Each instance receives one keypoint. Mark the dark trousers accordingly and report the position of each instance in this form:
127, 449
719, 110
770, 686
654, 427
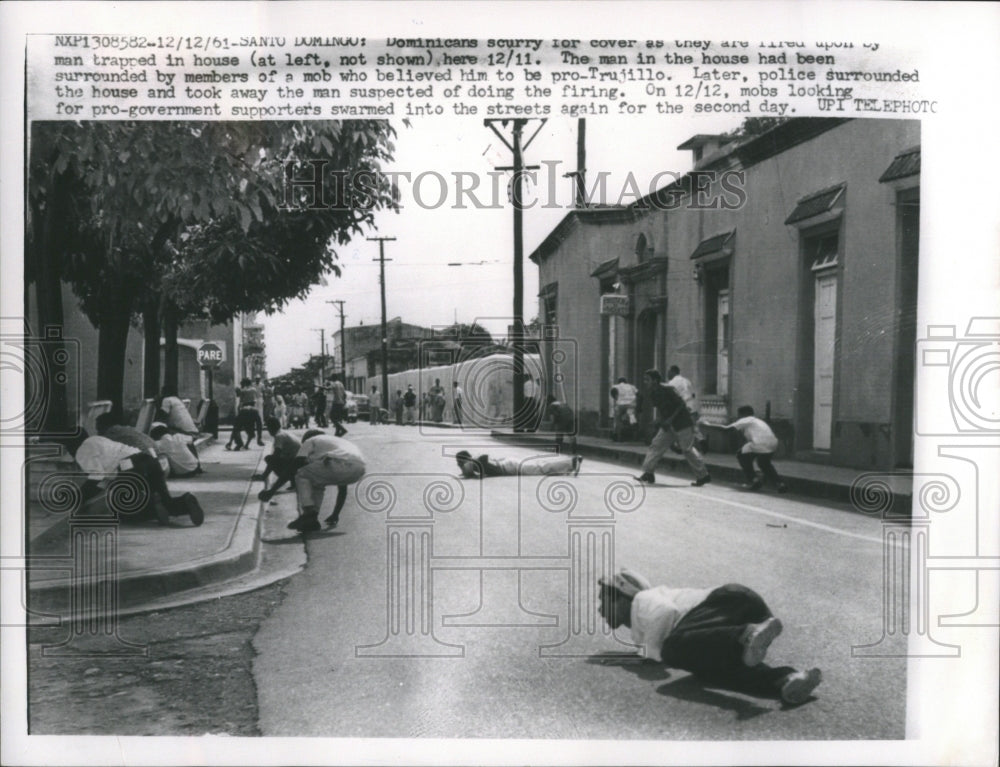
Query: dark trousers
132, 494
283, 469
246, 421
764, 461
706, 643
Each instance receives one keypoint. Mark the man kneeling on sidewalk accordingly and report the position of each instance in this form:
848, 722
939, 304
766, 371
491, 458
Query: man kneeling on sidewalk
324, 460
719, 635
105, 460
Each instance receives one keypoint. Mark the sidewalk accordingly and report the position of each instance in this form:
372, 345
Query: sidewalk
814, 480
148, 562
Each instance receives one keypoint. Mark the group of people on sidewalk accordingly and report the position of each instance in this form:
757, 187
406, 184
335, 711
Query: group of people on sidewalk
127, 470
407, 408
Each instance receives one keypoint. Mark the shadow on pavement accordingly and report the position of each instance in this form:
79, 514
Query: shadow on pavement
647, 670
299, 537
691, 689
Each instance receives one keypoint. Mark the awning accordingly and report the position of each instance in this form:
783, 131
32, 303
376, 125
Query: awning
903, 164
717, 244
817, 204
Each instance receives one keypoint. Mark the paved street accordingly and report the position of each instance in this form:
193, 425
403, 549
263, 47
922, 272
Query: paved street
458, 608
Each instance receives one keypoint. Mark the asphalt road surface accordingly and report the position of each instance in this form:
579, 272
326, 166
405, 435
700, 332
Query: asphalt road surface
466, 609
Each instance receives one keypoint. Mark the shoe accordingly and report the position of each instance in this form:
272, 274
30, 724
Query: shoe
756, 638
647, 477
197, 514
229, 447
755, 485
260, 443
782, 487
258, 478
163, 514
577, 461
702, 481
305, 524
331, 521
798, 687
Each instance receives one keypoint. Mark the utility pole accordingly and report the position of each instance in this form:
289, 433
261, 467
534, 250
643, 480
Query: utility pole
517, 148
322, 353
343, 342
385, 340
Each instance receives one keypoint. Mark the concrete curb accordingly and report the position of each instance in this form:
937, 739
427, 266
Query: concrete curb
633, 455
137, 588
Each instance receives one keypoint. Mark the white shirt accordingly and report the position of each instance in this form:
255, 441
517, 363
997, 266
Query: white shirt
177, 415
100, 456
655, 613
683, 387
180, 457
759, 437
317, 448
626, 394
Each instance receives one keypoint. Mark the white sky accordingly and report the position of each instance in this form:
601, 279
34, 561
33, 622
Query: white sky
420, 287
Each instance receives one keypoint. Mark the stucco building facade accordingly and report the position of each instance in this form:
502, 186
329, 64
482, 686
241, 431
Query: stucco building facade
781, 272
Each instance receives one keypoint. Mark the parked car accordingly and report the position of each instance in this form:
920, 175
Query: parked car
357, 407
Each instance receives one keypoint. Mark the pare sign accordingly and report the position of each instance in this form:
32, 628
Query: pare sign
211, 355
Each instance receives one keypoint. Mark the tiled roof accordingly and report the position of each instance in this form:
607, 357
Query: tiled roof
815, 204
713, 244
903, 164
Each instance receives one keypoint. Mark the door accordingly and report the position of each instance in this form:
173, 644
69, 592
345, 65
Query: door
823, 347
722, 345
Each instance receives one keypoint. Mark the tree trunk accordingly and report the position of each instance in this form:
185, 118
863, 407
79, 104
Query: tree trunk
151, 336
54, 419
170, 351
111, 344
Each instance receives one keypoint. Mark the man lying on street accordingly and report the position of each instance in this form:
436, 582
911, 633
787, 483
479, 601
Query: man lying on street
281, 461
105, 461
484, 466
323, 460
719, 635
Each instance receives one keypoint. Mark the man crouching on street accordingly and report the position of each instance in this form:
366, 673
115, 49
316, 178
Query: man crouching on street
719, 635
324, 460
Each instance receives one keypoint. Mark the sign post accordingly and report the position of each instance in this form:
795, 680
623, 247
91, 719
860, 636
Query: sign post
210, 356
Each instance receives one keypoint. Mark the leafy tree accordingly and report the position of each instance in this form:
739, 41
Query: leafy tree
194, 219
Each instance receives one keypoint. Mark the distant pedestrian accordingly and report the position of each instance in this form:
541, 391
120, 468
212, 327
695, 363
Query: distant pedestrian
457, 397
338, 406
299, 414
674, 423
374, 406
561, 419
280, 411
484, 466
259, 406
397, 407
246, 417
721, 635
179, 450
760, 446
623, 397
436, 401
267, 392
281, 462
319, 404
684, 388
324, 460
410, 405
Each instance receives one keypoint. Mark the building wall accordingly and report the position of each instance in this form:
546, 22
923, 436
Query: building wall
585, 247
770, 313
